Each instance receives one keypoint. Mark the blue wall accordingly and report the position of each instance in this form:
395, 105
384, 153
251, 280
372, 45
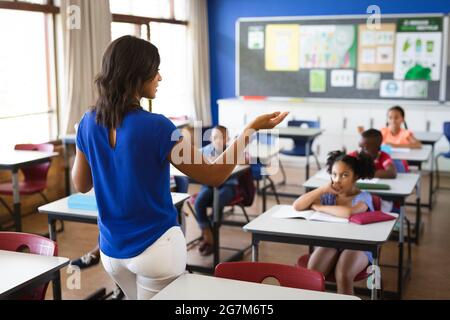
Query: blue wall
224, 13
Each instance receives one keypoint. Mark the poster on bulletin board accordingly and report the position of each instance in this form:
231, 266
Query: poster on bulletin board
418, 50
376, 48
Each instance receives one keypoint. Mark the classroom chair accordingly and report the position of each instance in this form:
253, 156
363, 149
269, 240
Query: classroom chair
287, 276
446, 155
302, 261
30, 243
35, 177
299, 148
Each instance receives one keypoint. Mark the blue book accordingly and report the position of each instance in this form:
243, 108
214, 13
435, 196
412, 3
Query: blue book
82, 202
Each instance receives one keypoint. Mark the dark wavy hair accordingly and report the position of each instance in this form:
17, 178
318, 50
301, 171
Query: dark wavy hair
362, 165
127, 64
402, 113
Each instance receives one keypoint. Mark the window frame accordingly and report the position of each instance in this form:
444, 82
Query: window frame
53, 81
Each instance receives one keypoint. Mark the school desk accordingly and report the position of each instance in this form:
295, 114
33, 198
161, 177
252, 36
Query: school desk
352, 236
400, 189
13, 160
416, 157
59, 210
430, 138
19, 270
201, 287
265, 154
306, 134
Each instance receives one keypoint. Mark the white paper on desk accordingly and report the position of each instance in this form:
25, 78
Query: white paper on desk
374, 180
312, 215
401, 150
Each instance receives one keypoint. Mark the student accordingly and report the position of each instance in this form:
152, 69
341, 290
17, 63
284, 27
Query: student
340, 197
370, 145
227, 191
394, 135
125, 152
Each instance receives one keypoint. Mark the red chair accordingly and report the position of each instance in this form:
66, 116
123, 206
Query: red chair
30, 243
302, 262
287, 276
35, 176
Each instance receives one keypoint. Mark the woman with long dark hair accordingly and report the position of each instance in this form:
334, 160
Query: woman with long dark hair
125, 152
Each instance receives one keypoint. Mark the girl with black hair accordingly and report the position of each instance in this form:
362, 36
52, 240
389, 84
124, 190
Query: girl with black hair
396, 136
341, 197
125, 153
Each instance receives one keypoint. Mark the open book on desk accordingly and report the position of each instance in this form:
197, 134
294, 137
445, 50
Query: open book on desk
290, 212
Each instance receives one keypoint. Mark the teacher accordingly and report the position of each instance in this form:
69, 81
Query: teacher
125, 152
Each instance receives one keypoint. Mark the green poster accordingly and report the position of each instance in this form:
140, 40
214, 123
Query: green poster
317, 81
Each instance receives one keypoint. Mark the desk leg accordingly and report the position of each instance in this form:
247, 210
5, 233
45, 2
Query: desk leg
400, 251
56, 282
255, 250
264, 193
308, 153
376, 275
66, 169
216, 222
16, 198
418, 225
430, 189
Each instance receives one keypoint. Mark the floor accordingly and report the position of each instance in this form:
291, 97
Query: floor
430, 278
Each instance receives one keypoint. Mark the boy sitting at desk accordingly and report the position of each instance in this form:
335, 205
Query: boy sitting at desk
204, 199
370, 145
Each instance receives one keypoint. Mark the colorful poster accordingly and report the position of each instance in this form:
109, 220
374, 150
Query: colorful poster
415, 89
418, 50
328, 46
282, 47
368, 80
317, 81
256, 37
376, 48
342, 78
391, 89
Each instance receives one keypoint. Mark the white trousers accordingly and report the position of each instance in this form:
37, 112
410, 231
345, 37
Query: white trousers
143, 276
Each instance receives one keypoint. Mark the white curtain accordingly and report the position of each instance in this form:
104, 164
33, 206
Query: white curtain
86, 28
198, 53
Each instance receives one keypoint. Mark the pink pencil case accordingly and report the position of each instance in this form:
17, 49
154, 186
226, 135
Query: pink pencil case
370, 217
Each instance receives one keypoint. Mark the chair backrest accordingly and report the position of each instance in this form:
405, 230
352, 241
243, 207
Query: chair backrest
447, 130
30, 243
376, 201
247, 188
300, 143
39, 171
287, 276
401, 166
304, 123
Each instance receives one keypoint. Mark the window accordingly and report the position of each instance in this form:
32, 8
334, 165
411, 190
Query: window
27, 81
173, 97
163, 23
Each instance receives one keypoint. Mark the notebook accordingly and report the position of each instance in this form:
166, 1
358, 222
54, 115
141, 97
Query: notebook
311, 215
371, 217
82, 202
372, 186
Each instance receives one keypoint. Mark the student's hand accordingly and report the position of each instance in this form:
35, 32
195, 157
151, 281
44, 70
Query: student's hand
267, 121
316, 207
360, 129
